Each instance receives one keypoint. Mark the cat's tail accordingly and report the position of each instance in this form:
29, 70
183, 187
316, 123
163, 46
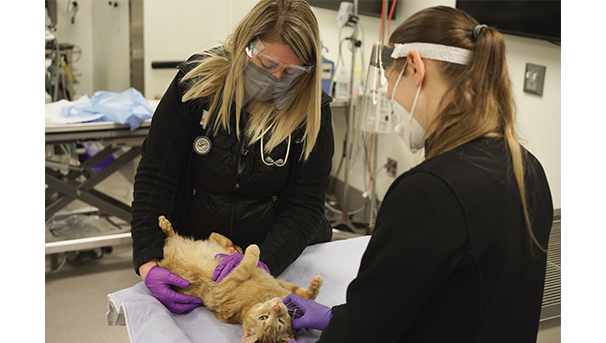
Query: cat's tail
166, 227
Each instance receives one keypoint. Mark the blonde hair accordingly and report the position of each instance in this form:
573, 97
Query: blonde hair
480, 97
289, 22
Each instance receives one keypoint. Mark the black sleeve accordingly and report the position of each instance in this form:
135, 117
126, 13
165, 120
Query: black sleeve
419, 235
164, 155
303, 207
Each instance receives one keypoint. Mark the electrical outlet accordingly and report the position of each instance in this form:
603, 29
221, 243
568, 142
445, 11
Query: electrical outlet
534, 78
391, 167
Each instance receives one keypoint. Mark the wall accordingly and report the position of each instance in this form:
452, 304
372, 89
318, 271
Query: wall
101, 31
174, 30
111, 40
538, 117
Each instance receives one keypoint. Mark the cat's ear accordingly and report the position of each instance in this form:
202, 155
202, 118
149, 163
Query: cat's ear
249, 337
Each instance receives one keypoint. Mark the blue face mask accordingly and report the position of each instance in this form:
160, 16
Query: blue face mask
262, 85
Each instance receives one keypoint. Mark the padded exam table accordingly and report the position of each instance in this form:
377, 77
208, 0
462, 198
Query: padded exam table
147, 320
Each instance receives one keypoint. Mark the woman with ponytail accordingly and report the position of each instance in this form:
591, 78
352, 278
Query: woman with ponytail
459, 249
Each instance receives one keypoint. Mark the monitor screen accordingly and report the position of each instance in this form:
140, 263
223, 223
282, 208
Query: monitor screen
371, 8
534, 19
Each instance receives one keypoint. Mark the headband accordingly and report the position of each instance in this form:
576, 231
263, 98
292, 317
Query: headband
434, 51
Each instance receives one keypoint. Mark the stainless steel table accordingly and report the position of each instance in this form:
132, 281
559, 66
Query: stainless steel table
76, 182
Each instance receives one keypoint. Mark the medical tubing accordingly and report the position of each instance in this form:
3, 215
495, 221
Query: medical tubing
332, 187
344, 153
363, 72
340, 57
382, 20
393, 6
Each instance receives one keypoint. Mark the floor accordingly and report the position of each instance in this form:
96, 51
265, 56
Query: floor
76, 298
76, 292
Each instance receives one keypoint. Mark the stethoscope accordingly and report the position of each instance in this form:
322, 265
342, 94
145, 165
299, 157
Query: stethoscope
267, 160
203, 144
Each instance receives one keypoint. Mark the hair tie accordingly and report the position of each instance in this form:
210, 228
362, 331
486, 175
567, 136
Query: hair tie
478, 30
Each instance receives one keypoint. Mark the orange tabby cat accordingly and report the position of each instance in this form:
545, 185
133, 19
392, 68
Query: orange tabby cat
247, 296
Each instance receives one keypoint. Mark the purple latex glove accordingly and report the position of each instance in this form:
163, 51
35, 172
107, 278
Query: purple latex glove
301, 341
159, 280
229, 263
313, 315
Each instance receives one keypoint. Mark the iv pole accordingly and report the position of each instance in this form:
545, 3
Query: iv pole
354, 40
374, 140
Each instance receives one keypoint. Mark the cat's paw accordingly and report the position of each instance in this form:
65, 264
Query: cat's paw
253, 250
314, 287
162, 221
165, 225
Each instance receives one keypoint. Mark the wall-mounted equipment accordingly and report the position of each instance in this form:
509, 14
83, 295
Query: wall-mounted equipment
370, 8
534, 78
528, 18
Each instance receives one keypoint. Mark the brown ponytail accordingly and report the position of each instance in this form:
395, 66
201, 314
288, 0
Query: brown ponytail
479, 100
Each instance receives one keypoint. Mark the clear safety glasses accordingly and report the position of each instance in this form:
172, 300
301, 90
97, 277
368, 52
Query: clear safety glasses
273, 64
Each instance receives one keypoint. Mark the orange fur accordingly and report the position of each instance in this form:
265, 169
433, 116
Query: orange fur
247, 296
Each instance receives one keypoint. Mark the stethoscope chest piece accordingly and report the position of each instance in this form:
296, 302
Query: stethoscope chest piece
202, 145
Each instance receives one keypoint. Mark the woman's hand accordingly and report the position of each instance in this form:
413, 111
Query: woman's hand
313, 315
159, 280
229, 263
144, 269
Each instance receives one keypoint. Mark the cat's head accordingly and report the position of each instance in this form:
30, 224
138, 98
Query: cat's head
268, 322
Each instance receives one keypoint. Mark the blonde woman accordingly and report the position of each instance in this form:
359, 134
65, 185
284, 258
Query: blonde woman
459, 249
241, 144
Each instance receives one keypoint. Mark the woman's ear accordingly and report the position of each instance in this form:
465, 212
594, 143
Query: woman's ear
417, 67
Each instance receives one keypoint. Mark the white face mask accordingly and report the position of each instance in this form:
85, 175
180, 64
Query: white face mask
407, 127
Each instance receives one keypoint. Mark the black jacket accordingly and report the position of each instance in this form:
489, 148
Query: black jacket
450, 258
229, 190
